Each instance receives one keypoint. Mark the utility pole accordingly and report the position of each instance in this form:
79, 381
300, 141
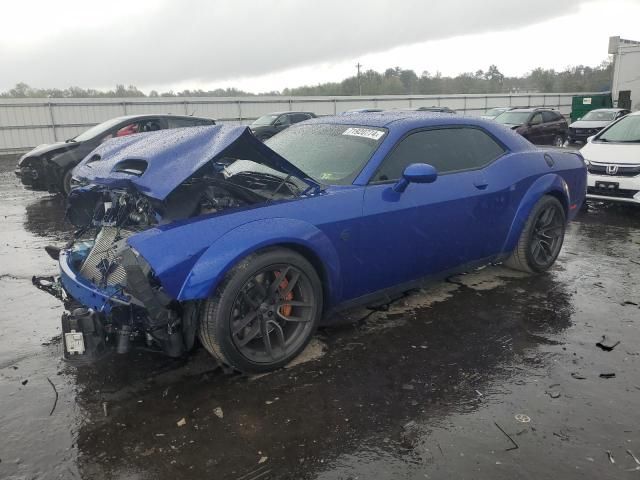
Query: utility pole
358, 65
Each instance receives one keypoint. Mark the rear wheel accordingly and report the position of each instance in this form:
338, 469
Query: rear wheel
264, 313
541, 239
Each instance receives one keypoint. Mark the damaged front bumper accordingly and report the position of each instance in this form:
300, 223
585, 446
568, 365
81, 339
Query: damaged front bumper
105, 317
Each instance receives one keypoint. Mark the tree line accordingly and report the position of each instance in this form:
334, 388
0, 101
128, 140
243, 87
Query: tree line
393, 81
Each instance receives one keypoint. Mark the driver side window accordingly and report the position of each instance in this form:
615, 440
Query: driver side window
446, 149
536, 119
282, 121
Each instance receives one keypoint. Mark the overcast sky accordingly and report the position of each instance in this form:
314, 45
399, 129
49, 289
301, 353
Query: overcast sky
262, 45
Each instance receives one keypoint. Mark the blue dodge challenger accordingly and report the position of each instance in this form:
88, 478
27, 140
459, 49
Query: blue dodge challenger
208, 233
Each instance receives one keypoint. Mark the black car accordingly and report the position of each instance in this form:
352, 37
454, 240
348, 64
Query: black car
541, 126
268, 125
48, 167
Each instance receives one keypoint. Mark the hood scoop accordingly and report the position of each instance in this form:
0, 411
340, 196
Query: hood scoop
156, 163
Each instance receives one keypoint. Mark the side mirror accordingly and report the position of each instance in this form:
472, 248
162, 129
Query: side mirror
416, 173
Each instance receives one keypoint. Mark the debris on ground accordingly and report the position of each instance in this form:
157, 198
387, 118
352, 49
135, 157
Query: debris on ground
578, 376
522, 418
607, 375
408, 386
55, 401
24, 382
607, 344
553, 393
218, 412
104, 408
410, 434
182, 422
629, 302
269, 402
515, 445
611, 459
262, 460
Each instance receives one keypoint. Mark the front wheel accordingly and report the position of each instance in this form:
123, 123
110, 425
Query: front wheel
264, 313
558, 141
66, 182
541, 239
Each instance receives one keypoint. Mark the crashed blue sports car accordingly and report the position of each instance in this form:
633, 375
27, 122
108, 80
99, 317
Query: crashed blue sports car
208, 233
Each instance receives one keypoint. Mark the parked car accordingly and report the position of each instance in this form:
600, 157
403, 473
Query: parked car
251, 245
613, 160
429, 109
362, 110
48, 167
268, 125
494, 112
541, 126
592, 123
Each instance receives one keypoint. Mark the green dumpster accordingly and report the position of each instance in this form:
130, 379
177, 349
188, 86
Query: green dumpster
581, 104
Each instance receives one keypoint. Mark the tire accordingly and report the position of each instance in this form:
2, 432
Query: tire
251, 323
558, 141
531, 255
65, 188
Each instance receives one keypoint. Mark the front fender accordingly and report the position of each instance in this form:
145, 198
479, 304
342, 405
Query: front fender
550, 183
229, 249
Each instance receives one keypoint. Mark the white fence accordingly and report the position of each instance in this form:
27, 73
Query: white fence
25, 123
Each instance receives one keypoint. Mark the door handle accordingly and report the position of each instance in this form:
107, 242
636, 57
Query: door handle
480, 184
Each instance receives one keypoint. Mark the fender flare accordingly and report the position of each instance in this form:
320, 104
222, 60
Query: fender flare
209, 270
549, 184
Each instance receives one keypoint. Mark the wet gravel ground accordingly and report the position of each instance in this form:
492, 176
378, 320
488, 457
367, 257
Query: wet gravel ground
490, 375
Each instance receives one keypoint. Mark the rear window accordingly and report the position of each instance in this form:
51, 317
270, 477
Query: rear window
178, 122
332, 154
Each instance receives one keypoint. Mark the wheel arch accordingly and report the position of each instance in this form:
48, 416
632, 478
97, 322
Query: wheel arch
299, 236
550, 184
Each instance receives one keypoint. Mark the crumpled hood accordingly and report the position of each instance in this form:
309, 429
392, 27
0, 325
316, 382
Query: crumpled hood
589, 124
172, 156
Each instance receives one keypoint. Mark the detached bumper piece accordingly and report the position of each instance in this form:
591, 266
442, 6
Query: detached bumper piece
84, 336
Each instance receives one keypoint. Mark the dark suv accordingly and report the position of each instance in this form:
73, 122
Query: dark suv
541, 126
268, 125
48, 167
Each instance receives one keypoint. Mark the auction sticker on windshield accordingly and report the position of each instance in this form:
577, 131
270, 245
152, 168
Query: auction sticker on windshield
364, 132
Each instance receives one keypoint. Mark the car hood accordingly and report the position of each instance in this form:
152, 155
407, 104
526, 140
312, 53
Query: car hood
171, 156
45, 148
589, 124
619, 153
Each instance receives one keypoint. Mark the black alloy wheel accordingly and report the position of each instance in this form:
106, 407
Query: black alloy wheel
541, 238
264, 313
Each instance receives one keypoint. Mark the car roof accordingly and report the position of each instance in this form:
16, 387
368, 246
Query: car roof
401, 119
533, 109
154, 115
608, 109
282, 113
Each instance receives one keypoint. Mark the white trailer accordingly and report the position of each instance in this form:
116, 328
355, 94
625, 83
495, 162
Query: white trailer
626, 72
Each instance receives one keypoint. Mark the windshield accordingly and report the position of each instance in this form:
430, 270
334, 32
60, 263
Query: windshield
494, 112
332, 154
265, 120
599, 116
513, 118
98, 130
626, 130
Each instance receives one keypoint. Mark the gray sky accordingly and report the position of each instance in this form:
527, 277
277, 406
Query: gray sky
262, 45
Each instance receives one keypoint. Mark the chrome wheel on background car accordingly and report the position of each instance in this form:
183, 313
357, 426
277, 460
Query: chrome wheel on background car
265, 312
542, 237
558, 141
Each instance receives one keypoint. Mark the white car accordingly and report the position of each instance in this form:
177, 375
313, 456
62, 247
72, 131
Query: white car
613, 161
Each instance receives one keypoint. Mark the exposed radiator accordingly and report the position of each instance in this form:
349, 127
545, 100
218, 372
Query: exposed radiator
101, 267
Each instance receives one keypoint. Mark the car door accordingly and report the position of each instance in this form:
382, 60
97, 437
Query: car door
282, 122
536, 133
428, 228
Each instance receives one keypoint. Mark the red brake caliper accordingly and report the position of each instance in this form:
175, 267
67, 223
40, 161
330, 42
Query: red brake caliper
285, 310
